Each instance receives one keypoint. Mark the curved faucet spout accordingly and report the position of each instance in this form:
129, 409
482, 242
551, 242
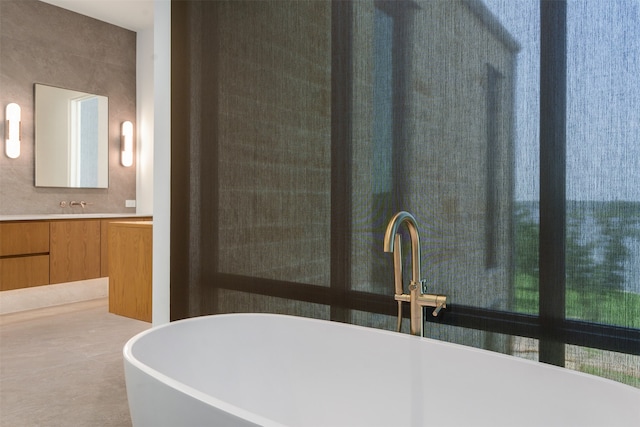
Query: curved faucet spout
390, 236
392, 244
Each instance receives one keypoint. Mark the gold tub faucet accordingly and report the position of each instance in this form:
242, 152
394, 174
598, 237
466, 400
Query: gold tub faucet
417, 298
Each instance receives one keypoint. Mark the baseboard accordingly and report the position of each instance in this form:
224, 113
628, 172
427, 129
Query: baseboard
51, 295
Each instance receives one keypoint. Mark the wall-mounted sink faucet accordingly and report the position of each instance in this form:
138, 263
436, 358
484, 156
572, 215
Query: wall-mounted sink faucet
81, 203
416, 296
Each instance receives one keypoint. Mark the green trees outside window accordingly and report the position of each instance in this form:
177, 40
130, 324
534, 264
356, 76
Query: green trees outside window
603, 240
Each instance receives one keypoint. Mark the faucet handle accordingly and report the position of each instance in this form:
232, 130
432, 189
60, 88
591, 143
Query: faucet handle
433, 300
81, 203
441, 302
438, 308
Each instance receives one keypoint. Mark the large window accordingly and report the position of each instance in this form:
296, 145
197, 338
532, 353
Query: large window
505, 127
583, 211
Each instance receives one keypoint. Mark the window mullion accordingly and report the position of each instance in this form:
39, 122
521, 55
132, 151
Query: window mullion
552, 179
341, 109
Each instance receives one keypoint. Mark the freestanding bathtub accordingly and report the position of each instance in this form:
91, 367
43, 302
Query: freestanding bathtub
274, 370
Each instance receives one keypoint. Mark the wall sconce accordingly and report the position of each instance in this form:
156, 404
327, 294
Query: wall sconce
12, 131
126, 141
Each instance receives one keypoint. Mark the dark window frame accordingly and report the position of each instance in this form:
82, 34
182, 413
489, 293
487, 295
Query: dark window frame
493, 114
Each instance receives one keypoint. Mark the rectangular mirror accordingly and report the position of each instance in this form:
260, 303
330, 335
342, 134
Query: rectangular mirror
72, 138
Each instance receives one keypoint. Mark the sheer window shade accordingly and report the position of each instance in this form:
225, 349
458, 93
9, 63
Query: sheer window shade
305, 125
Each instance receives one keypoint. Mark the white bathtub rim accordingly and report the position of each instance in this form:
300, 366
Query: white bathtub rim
267, 422
396, 335
214, 401
190, 391
433, 341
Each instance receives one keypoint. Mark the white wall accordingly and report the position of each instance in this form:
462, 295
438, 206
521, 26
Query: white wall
144, 140
161, 160
154, 146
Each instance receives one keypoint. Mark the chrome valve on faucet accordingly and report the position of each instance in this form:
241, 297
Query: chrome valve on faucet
417, 298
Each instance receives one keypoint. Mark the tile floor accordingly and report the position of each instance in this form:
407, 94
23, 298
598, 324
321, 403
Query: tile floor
62, 366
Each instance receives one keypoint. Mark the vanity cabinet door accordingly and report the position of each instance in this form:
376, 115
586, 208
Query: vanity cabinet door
74, 252
130, 269
104, 241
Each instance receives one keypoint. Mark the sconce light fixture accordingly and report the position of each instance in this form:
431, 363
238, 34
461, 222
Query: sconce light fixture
12, 131
126, 141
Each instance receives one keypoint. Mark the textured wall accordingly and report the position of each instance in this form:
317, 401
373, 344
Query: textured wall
41, 43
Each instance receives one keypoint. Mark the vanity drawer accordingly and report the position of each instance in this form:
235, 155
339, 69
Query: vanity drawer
24, 272
23, 238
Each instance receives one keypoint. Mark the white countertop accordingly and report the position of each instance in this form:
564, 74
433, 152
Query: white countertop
33, 217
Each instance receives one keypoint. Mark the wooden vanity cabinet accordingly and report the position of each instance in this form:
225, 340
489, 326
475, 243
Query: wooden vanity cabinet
74, 250
104, 241
130, 269
24, 254
43, 252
